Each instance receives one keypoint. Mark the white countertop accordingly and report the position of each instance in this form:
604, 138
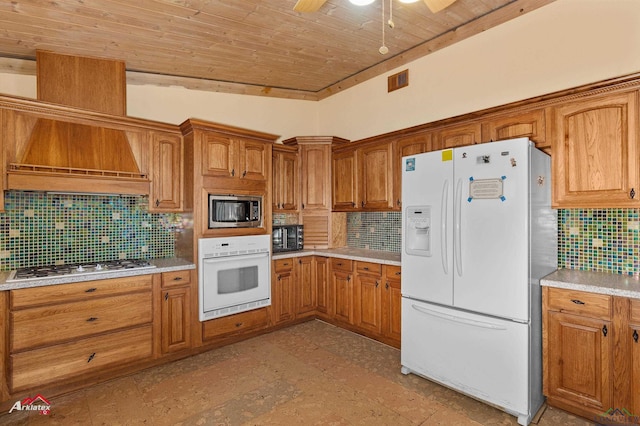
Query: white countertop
161, 265
595, 282
363, 255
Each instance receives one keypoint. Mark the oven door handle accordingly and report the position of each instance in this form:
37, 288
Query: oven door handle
241, 256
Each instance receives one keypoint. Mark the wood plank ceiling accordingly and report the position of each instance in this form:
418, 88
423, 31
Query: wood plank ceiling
259, 47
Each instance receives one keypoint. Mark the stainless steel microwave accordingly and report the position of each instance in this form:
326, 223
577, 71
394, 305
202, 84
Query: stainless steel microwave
235, 211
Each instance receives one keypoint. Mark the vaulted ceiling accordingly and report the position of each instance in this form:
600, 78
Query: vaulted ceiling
260, 47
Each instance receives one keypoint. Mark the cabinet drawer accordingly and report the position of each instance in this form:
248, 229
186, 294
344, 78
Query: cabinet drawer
342, 265
78, 291
282, 265
580, 303
237, 323
393, 272
369, 268
57, 323
635, 311
33, 369
176, 278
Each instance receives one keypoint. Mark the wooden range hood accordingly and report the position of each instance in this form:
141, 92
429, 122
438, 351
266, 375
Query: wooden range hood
64, 156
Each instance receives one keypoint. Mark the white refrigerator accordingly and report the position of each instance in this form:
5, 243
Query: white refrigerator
478, 233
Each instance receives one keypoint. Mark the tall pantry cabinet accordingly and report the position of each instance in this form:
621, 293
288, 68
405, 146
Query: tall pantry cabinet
322, 228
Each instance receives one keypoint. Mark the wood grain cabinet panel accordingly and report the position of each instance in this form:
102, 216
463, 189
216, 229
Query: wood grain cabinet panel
234, 325
306, 290
79, 359
219, 156
323, 287
344, 174
342, 289
285, 179
166, 184
595, 153
367, 296
282, 291
530, 124
458, 135
176, 319
375, 174
391, 306
253, 160
316, 179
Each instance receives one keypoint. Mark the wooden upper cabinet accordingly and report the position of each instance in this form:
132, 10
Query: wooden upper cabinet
344, 174
253, 160
530, 124
595, 153
375, 167
224, 156
316, 179
166, 184
458, 135
408, 145
285, 179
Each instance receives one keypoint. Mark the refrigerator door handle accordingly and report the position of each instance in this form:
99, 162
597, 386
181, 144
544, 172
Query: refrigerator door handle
460, 320
443, 226
457, 231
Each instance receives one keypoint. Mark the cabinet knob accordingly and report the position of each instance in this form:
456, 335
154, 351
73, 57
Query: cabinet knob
635, 336
157, 203
166, 296
632, 193
233, 172
386, 285
377, 284
605, 330
244, 173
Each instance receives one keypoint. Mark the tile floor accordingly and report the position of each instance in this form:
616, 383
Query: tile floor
308, 374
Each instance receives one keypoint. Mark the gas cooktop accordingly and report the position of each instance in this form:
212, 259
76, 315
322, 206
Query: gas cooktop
48, 271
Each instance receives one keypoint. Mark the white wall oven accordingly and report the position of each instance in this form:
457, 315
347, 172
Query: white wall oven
233, 275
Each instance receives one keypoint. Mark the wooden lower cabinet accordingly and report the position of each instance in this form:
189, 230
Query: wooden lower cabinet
234, 325
391, 306
71, 332
306, 291
367, 296
342, 288
591, 354
175, 307
324, 295
282, 291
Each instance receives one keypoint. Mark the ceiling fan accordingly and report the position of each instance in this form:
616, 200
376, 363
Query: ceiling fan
313, 5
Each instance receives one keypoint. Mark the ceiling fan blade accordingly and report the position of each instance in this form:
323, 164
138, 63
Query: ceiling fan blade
308, 5
434, 5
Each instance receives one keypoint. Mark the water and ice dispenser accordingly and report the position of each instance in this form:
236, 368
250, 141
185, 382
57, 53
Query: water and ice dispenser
418, 230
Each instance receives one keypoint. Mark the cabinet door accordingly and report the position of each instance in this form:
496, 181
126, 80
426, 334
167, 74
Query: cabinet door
323, 286
285, 181
282, 297
343, 296
595, 152
253, 160
166, 184
579, 361
305, 289
368, 303
176, 319
410, 145
634, 336
316, 179
345, 178
218, 156
530, 124
391, 305
376, 177
460, 135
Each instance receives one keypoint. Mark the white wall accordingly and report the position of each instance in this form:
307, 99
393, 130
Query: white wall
564, 44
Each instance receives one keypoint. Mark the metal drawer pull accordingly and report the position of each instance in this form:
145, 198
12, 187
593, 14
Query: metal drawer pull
177, 278
398, 273
635, 336
90, 290
366, 268
577, 302
239, 324
166, 296
92, 319
605, 330
91, 357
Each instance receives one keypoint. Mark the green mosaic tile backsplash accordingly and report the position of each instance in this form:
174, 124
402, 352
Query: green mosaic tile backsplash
606, 240
38, 228
375, 231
